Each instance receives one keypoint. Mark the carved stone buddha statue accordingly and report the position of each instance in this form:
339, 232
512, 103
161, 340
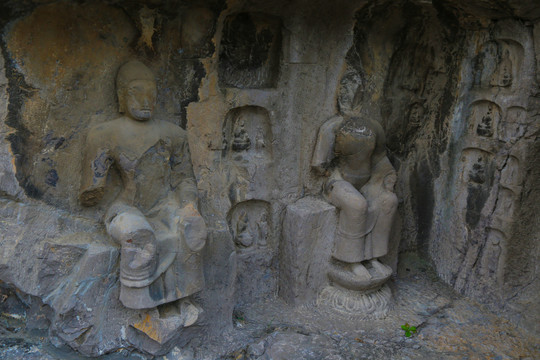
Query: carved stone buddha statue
154, 217
351, 153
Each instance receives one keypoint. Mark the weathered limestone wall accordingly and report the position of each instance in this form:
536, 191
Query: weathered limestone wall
493, 134
429, 72
457, 89
60, 60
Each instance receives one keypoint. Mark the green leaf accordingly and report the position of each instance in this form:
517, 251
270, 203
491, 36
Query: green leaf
405, 327
413, 328
407, 333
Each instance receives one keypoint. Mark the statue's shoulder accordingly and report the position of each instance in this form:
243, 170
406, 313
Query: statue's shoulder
377, 125
102, 131
172, 130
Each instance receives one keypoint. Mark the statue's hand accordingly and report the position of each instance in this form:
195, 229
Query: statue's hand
194, 229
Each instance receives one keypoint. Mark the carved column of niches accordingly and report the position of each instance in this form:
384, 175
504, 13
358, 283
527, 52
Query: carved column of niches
493, 149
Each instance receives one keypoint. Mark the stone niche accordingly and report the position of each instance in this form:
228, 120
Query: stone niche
247, 143
477, 175
252, 228
250, 225
515, 125
250, 51
485, 119
498, 64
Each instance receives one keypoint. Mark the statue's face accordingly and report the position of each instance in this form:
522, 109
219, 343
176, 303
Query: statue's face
140, 99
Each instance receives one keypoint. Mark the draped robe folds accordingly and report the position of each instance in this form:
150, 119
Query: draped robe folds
158, 186
354, 159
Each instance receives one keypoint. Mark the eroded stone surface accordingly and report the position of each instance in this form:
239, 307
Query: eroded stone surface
449, 327
154, 218
454, 83
420, 300
308, 233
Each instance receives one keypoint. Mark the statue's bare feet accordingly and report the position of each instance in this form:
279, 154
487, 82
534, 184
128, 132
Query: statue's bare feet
360, 271
189, 312
380, 268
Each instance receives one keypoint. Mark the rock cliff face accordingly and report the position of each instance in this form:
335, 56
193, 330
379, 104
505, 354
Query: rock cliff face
454, 84
457, 90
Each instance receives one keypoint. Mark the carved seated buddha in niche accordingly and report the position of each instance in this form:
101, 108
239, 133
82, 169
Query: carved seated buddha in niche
351, 153
154, 218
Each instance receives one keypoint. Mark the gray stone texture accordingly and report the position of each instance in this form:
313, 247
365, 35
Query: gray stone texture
454, 82
308, 231
476, 244
9, 186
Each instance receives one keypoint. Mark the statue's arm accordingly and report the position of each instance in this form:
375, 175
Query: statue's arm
95, 167
380, 164
324, 147
183, 179
190, 221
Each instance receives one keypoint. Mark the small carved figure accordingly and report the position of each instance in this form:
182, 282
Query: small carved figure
259, 139
478, 173
485, 127
154, 217
502, 75
262, 227
243, 237
478, 67
224, 142
416, 114
241, 139
351, 152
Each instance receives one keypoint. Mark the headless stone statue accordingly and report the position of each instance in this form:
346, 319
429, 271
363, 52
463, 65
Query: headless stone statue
351, 153
154, 218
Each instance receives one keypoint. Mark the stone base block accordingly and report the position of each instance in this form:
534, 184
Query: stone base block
162, 328
362, 305
341, 276
308, 233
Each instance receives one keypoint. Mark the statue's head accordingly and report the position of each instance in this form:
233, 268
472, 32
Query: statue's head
136, 89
